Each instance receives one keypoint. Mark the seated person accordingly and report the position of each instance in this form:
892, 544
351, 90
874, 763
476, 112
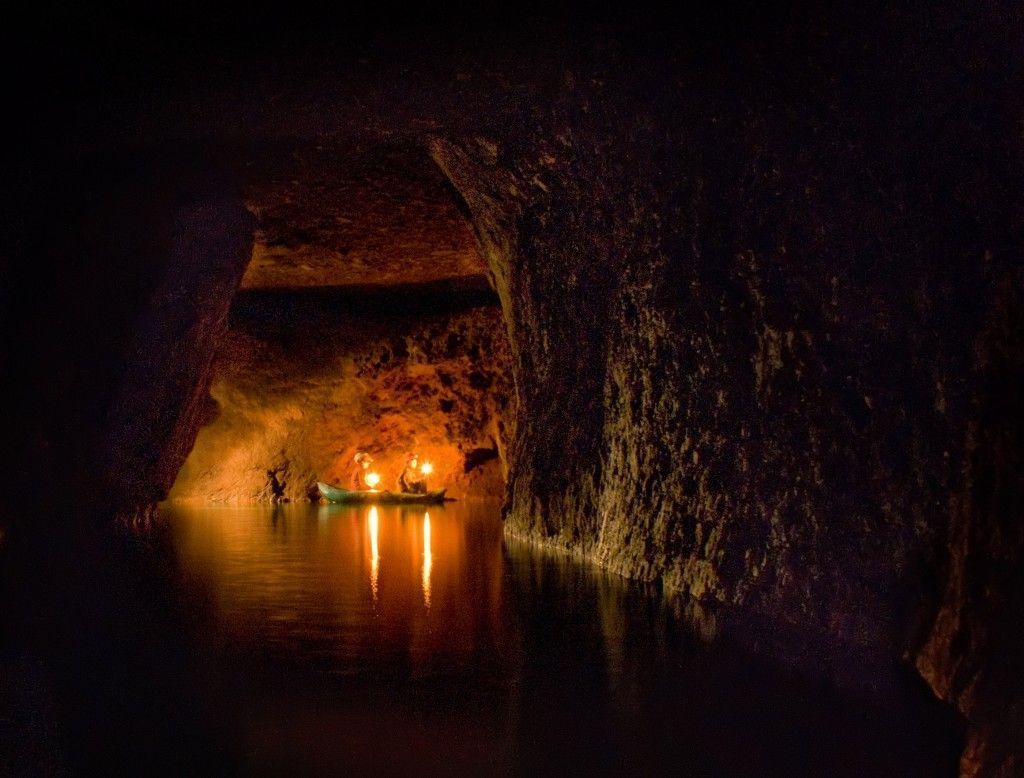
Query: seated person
411, 479
362, 467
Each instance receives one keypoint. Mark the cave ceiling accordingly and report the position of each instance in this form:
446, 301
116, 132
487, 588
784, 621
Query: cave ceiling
363, 214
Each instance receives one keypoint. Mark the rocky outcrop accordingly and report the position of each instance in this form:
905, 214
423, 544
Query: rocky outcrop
305, 379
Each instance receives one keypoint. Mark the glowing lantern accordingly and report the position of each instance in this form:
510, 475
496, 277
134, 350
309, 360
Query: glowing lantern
372, 479
426, 468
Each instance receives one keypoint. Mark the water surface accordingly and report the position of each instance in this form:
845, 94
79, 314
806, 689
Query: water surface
417, 640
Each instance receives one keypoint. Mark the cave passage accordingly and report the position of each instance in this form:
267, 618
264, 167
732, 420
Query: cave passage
365, 323
726, 301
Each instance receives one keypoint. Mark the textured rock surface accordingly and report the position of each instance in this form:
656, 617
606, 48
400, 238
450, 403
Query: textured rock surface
361, 214
307, 378
782, 328
113, 327
972, 656
163, 396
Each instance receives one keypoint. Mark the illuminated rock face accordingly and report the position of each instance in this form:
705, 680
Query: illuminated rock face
306, 378
365, 323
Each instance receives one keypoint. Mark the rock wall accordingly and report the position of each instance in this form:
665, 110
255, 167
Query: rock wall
761, 329
761, 280
972, 656
163, 395
124, 276
305, 378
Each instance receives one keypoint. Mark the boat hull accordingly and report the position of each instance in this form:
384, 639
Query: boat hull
336, 494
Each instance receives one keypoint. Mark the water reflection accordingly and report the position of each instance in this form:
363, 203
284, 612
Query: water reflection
354, 585
373, 524
467, 654
428, 559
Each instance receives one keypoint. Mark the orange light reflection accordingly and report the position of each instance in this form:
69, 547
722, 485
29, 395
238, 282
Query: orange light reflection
428, 559
374, 526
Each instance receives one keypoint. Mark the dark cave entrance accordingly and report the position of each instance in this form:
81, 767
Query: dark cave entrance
364, 321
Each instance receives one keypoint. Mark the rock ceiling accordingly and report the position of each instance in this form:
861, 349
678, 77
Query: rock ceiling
365, 214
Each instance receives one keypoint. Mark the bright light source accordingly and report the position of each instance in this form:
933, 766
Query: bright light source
372, 479
426, 468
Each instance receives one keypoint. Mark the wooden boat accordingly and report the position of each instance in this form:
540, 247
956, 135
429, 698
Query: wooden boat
352, 497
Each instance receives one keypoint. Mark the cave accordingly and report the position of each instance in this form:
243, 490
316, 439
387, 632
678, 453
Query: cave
708, 319
364, 321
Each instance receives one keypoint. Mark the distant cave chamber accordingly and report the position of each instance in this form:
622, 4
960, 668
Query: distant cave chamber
365, 322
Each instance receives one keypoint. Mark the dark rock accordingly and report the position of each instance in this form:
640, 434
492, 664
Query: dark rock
479, 456
757, 361
366, 213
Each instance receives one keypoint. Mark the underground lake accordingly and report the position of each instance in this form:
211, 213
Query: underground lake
406, 640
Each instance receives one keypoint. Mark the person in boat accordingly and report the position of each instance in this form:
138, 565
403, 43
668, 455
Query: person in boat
412, 479
362, 467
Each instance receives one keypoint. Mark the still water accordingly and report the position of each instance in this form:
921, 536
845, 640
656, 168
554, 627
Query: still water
419, 641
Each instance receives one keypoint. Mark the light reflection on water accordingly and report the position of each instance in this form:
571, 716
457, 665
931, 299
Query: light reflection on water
393, 639
373, 522
351, 584
428, 560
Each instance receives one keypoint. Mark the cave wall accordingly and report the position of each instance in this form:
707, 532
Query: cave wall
125, 267
163, 394
765, 338
306, 378
973, 651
